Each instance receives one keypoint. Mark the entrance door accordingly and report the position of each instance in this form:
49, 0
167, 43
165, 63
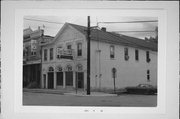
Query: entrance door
80, 76
44, 78
60, 78
50, 80
69, 78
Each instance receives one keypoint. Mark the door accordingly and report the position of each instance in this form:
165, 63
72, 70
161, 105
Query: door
60, 78
69, 78
44, 78
80, 81
50, 80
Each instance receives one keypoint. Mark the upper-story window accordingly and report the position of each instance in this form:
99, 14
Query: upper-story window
112, 52
148, 57
51, 53
69, 46
45, 54
79, 49
126, 56
33, 47
33, 53
58, 51
25, 51
136, 54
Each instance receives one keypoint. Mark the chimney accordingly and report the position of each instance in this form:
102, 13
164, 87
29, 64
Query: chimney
103, 29
38, 27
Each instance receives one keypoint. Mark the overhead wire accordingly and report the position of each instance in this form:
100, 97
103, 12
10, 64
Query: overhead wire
128, 22
43, 21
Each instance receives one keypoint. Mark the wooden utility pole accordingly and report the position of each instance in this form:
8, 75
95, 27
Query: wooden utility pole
88, 56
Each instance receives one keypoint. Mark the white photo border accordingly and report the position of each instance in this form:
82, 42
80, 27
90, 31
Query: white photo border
13, 77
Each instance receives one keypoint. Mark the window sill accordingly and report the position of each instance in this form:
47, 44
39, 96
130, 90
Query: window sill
79, 56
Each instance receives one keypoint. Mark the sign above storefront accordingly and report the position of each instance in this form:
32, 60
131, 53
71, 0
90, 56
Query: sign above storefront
65, 54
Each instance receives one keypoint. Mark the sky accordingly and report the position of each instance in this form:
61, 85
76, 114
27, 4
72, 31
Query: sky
52, 24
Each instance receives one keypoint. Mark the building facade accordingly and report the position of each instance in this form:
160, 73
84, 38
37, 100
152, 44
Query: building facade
32, 56
116, 60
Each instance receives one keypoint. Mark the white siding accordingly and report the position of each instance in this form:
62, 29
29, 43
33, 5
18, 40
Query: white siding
129, 73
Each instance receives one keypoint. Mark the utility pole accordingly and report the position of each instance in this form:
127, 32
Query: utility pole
88, 56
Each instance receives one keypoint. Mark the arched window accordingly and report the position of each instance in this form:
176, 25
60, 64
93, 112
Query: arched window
59, 69
69, 68
51, 69
79, 67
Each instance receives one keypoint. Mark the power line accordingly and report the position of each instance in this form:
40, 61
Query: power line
128, 22
133, 31
43, 21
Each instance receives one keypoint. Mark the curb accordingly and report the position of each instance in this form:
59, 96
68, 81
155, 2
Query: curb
46, 92
95, 95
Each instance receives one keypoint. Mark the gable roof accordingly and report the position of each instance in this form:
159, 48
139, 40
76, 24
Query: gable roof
109, 37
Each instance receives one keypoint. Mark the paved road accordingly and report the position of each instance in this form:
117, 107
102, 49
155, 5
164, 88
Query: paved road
70, 100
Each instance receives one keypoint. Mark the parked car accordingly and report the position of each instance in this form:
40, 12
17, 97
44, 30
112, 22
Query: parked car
142, 89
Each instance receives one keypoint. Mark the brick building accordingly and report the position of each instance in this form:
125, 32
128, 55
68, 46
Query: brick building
32, 56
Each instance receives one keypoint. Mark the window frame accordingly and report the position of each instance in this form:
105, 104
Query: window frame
79, 49
45, 54
126, 53
33, 53
112, 52
68, 46
148, 57
148, 75
136, 54
51, 53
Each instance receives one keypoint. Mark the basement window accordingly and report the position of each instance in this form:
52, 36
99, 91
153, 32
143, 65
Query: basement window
148, 75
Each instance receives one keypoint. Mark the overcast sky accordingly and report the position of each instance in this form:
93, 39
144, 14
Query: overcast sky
52, 24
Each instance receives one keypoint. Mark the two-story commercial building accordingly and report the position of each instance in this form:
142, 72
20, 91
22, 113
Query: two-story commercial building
32, 56
116, 60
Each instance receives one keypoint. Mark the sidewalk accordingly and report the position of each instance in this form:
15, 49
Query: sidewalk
67, 92
48, 91
83, 93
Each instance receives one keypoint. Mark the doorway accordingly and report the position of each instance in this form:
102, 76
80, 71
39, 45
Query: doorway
50, 80
60, 78
69, 78
44, 78
80, 79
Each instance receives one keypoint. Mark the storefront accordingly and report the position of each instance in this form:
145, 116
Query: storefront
59, 77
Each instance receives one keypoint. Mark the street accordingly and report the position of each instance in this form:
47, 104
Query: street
43, 99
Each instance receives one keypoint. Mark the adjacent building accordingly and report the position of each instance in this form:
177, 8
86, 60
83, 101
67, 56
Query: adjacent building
32, 56
116, 60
